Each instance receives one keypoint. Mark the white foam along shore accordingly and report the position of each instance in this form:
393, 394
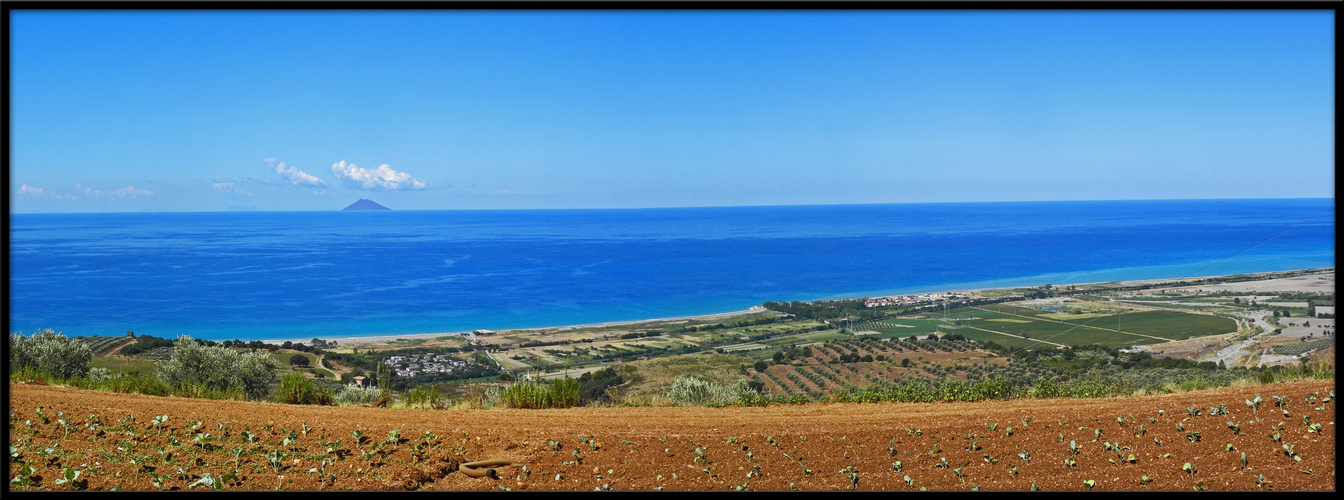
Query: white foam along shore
754, 309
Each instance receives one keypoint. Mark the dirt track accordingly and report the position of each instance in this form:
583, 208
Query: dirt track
809, 447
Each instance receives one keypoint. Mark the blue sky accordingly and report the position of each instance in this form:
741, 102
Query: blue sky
312, 110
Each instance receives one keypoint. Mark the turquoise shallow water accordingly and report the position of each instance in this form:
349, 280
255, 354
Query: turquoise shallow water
265, 275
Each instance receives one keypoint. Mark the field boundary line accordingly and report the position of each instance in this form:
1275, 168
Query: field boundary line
1011, 335
1078, 325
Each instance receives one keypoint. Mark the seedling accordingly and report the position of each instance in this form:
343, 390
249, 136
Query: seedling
1026, 457
1073, 447
28, 477
1254, 404
1189, 468
208, 481
1260, 481
897, 466
70, 476
1288, 450
1236, 429
1089, 484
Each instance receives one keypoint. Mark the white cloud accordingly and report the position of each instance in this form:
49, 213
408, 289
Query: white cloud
229, 187
37, 192
126, 192
295, 176
381, 178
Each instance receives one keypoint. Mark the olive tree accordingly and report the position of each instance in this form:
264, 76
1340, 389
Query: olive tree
218, 368
49, 352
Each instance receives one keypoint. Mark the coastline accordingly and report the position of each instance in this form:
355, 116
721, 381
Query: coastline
364, 339
386, 338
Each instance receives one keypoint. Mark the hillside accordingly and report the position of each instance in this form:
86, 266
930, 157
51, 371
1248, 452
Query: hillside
113, 441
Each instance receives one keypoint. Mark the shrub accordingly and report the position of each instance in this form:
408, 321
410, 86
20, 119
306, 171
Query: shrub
355, 395
693, 391
533, 394
49, 352
298, 360
296, 390
218, 369
99, 374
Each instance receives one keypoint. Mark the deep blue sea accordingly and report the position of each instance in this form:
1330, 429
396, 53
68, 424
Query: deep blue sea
299, 275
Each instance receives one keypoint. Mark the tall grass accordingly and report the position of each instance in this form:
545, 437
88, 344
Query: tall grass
535, 394
296, 390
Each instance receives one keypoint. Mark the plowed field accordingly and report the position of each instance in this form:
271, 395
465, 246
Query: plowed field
1010, 445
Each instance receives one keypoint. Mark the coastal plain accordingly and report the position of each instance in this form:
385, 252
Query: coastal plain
1177, 438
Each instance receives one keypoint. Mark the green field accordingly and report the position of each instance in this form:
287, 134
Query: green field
143, 366
911, 327
1135, 328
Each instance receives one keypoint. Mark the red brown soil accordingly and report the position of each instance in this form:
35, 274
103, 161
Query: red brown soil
809, 447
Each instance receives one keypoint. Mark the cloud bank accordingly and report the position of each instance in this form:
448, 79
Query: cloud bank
295, 176
229, 187
126, 192
382, 178
37, 192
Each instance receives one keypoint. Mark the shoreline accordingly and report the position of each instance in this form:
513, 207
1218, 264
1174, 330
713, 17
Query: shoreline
365, 339
387, 338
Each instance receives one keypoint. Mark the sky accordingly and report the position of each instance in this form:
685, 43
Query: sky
128, 111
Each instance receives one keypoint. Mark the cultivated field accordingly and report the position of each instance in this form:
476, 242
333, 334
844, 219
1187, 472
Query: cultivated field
1180, 441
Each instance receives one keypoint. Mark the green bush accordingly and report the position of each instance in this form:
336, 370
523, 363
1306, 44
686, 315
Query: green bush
688, 390
355, 395
534, 394
49, 352
296, 390
194, 367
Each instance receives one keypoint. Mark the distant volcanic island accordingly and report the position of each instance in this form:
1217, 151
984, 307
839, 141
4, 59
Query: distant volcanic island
364, 204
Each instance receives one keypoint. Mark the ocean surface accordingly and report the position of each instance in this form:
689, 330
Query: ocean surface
299, 275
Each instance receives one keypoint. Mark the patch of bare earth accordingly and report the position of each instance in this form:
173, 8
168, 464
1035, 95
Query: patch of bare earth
999, 445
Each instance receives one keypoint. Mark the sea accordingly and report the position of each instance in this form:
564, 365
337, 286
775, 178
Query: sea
341, 274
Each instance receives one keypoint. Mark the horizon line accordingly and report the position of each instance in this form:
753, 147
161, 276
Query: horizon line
10, 210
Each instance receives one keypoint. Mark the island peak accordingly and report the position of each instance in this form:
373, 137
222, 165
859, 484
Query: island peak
364, 204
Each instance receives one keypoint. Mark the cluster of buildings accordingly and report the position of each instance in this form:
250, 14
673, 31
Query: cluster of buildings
907, 300
424, 364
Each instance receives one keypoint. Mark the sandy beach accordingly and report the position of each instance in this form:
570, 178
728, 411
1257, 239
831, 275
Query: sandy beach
1322, 281
430, 335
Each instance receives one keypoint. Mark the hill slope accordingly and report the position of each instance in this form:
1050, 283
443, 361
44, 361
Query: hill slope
940, 446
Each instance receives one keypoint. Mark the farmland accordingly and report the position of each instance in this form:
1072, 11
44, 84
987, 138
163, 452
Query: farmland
1204, 440
849, 382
